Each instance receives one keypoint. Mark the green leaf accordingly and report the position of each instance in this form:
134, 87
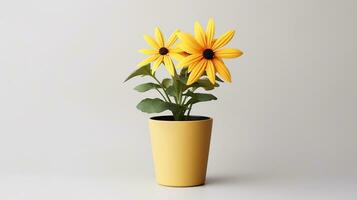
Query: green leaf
181, 83
167, 82
153, 105
183, 71
183, 79
218, 79
171, 91
205, 84
146, 86
175, 88
157, 105
199, 97
142, 71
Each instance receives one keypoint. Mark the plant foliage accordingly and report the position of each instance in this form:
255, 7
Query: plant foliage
176, 96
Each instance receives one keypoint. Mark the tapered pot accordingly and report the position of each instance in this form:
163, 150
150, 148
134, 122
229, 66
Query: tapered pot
180, 150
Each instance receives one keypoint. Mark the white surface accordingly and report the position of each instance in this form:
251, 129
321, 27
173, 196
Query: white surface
284, 129
226, 187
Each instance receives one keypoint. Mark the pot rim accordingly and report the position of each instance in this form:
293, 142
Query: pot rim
204, 118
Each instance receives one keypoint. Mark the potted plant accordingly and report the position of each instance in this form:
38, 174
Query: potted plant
180, 142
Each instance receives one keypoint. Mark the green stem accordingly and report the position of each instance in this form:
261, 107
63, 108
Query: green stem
189, 110
175, 85
161, 94
161, 87
175, 98
180, 95
190, 105
176, 116
184, 100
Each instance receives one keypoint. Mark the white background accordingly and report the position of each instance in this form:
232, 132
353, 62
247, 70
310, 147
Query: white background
284, 129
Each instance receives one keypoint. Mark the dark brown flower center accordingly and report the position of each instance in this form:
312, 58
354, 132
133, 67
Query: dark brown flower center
208, 54
163, 51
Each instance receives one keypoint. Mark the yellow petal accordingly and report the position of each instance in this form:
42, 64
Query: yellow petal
211, 72
151, 42
172, 39
193, 65
190, 59
189, 40
159, 37
228, 53
214, 40
148, 60
169, 65
149, 51
179, 47
157, 64
189, 49
223, 40
222, 69
178, 56
175, 50
210, 32
200, 34
197, 72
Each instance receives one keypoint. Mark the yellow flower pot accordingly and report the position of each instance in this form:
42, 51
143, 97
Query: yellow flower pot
180, 150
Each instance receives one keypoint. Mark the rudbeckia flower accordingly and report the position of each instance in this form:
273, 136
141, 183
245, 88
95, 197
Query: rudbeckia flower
162, 51
206, 54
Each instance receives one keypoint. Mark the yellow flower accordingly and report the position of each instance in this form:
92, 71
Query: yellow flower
162, 52
206, 53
